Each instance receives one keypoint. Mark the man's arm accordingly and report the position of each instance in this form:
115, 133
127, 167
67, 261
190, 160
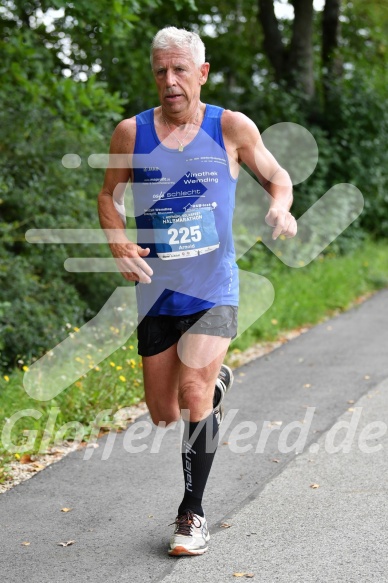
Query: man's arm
128, 255
244, 142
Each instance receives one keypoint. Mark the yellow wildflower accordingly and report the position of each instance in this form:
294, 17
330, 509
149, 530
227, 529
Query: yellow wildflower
25, 368
119, 367
6, 378
112, 364
76, 329
122, 378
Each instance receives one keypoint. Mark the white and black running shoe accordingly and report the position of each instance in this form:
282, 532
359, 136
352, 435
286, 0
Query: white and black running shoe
191, 535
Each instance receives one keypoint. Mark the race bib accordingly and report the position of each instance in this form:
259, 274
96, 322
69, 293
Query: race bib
182, 235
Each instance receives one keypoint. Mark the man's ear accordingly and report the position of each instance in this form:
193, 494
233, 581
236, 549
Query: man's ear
204, 72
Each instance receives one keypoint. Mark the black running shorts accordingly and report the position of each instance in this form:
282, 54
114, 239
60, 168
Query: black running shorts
157, 333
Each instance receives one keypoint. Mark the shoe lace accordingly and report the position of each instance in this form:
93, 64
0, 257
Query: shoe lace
185, 522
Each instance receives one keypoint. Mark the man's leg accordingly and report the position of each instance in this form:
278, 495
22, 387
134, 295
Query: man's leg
157, 344
183, 383
161, 376
196, 394
200, 440
172, 387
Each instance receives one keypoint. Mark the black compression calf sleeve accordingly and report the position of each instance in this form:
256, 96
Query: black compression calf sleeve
199, 446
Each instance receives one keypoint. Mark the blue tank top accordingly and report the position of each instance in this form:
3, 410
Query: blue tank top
183, 204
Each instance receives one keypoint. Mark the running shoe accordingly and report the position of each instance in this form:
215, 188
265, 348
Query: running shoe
191, 535
224, 383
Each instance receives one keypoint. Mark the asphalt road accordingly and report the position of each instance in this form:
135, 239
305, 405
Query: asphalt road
282, 529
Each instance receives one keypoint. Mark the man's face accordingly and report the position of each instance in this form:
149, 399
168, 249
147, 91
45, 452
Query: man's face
178, 79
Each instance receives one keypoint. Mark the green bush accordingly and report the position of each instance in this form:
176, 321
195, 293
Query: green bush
43, 117
359, 135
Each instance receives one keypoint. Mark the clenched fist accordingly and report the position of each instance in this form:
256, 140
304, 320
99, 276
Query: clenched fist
282, 221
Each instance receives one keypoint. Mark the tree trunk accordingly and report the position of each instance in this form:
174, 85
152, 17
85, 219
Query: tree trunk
273, 45
300, 62
330, 35
331, 62
294, 65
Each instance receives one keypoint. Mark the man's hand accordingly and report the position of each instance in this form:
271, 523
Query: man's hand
282, 221
129, 260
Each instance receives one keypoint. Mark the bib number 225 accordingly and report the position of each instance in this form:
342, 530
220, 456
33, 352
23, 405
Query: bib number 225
184, 235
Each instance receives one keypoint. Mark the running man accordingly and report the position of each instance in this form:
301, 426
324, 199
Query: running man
185, 158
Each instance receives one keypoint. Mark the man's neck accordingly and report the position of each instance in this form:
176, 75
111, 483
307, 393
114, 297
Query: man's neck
182, 118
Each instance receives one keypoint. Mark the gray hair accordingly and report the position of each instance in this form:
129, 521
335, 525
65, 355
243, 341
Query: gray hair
170, 36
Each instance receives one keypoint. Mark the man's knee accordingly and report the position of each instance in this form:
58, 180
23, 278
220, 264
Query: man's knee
193, 395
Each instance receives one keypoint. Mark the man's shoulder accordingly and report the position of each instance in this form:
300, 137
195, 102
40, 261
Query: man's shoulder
128, 125
231, 120
235, 120
236, 127
124, 135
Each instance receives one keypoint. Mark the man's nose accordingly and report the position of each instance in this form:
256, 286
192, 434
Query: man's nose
170, 78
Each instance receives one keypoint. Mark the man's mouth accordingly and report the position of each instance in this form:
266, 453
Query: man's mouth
173, 97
